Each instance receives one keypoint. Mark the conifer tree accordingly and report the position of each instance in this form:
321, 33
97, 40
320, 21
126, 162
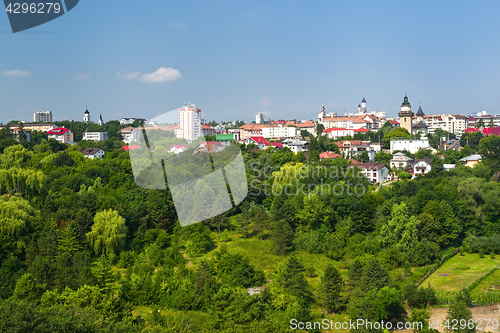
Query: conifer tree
375, 276
294, 280
68, 239
282, 236
331, 285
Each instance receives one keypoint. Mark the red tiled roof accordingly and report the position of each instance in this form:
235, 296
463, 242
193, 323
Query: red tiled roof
276, 144
217, 143
363, 130
486, 130
259, 139
130, 147
331, 129
329, 154
178, 146
368, 166
58, 131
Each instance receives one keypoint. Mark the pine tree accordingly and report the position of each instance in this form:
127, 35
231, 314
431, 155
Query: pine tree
68, 239
282, 236
294, 280
458, 311
375, 276
331, 284
103, 274
259, 220
355, 273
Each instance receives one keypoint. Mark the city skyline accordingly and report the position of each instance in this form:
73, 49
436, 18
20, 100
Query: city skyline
282, 59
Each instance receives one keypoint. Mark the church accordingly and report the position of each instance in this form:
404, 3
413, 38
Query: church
406, 120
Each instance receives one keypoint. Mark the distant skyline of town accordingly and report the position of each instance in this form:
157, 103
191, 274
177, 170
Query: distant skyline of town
284, 59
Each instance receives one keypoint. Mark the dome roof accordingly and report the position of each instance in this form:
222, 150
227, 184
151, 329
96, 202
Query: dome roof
363, 101
86, 112
420, 125
405, 102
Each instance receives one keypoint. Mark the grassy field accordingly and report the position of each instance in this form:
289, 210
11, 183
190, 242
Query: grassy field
459, 272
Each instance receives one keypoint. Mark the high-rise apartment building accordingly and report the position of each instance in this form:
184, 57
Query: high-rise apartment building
189, 122
42, 117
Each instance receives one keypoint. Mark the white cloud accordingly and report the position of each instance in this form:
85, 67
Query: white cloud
82, 77
17, 73
265, 102
128, 76
162, 74
180, 26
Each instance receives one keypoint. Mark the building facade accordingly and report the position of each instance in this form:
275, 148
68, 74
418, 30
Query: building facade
61, 134
86, 116
95, 136
42, 117
406, 116
410, 145
189, 122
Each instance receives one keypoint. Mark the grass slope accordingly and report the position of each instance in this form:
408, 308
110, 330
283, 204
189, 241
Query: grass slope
458, 272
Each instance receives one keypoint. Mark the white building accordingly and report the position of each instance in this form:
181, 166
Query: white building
42, 117
334, 133
86, 116
400, 161
95, 136
280, 131
259, 119
296, 145
93, 153
126, 121
61, 134
420, 166
410, 145
130, 134
177, 149
189, 122
375, 172
453, 123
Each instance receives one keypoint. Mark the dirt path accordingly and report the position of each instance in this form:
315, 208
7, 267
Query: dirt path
481, 314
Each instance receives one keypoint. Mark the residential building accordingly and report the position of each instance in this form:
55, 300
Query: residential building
486, 130
130, 134
229, 135
190, 122
249, 130
305, 125
410, 145
486, 120
329, 154
452, 123
95, 136
261, 142
36, 127
471, 161
259, 119
61, 134
93, 153
334, 133
126, 121
177, 149
369, 122
207, 130
42, 117
15, 132
280, 131
420, 166
296, 145
375, 172
448, 167
400, 161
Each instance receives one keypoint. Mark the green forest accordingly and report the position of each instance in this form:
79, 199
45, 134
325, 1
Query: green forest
84, 249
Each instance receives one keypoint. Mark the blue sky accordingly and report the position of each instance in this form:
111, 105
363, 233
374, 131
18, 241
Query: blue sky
237, 58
